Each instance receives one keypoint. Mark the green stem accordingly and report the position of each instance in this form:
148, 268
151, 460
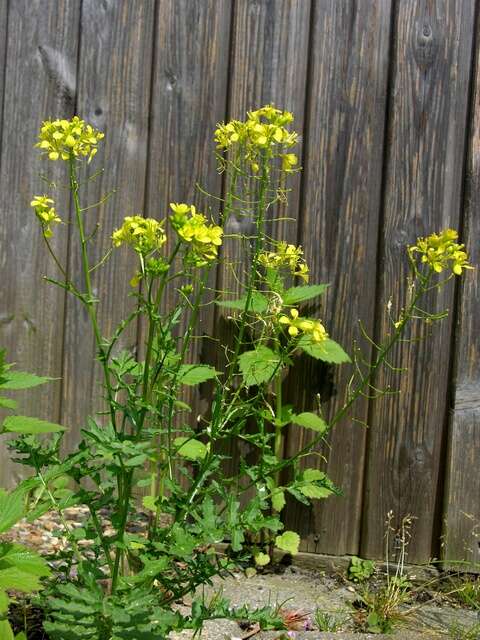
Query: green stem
278, 450
89, 301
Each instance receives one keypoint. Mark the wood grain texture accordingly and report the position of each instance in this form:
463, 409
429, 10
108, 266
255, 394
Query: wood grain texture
270, 44
462, 507
338, 228
422, 194
40, 82
189, 98
113, 95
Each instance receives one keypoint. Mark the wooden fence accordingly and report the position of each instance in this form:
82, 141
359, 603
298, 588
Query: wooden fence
386, 94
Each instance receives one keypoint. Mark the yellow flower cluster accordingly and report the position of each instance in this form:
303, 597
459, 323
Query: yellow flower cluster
296, 324
143, 234
61, 139
45, 211
441, 251
286, 256
193, 228
263, 129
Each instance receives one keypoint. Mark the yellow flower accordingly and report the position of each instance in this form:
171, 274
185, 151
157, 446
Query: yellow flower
45, 211
62, 139
441, 251
193, 229
286, 256
295, 324
143, 234
264, 129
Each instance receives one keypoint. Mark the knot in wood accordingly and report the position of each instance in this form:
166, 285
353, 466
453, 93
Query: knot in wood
425, 45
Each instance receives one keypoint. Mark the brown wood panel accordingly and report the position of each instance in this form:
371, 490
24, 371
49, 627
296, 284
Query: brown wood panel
422, 194
270, 47
40, 82
188, 98
338, 228
461, 533
113, 95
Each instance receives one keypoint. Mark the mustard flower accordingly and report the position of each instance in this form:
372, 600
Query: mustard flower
143, 234
286, 256
193, 229
44, 208
297, 324
62, 139
264, 129
441, 251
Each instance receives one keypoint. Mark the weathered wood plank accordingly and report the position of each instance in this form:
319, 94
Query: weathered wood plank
422, 194
462, 506
269, 65
339, 220
40, 82
113, 94
189, 98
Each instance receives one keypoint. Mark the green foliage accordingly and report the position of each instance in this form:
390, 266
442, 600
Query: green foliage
360, 570
125, 584
327, 622
258, 366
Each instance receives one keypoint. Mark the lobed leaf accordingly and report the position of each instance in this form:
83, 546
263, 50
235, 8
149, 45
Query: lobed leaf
259, 365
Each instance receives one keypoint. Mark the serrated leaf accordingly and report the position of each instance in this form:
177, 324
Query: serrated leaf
294, 295
25, 560
315, 491
278, 499
7, 403
22, 380
258, 303
261, 559
310, 421
259, 365
149, 502
289, 541
11, 509
27, 424
192, 374
311, 475
326, 350
190, 448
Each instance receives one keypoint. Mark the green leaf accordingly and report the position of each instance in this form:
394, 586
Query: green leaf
22, 380
315, 491
136, 460
7, 403
327, 350
6, 632
26, 424
311, 475
310, 421
149, 502
192, 374
23, 559
289, 541
190, 448
4, 600
12, 578
278, 499
259, 365
11, 509
21, 636
258, 303
261, 559
303, 293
